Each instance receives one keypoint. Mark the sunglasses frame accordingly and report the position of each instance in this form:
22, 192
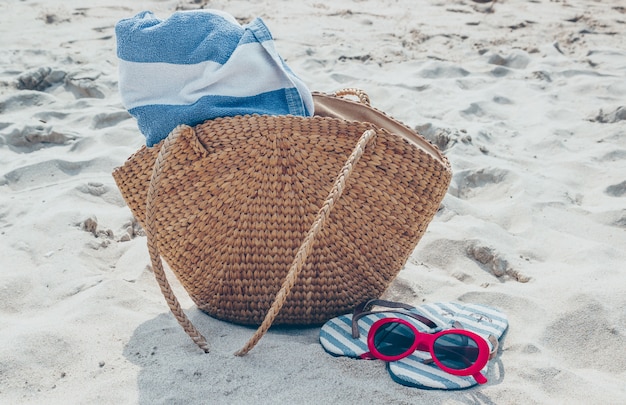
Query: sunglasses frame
426, 342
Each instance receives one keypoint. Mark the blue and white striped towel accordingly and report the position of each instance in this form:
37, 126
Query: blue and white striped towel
199, 65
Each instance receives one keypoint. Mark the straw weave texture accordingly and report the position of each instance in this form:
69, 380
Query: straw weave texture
236, 197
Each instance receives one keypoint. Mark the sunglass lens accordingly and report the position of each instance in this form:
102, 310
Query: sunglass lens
456, 351
393, 339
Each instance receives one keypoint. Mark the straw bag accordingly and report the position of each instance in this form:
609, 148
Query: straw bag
283, 219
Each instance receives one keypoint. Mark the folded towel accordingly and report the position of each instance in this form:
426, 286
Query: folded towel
199, 65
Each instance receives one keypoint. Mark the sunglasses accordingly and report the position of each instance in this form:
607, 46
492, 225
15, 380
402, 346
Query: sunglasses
455, 351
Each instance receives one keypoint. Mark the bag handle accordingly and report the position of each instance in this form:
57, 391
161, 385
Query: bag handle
307, 244
295, 268
358, 93
153, 249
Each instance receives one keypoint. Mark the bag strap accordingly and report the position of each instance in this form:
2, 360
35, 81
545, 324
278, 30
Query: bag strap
358, 93
153, 249
295, 268
307, 244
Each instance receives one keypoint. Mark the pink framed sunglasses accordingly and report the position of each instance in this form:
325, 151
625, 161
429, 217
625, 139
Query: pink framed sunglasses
455, 351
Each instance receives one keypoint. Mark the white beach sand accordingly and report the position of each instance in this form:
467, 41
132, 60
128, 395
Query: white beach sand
526, 98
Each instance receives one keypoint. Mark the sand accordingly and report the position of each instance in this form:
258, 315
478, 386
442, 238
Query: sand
526, 98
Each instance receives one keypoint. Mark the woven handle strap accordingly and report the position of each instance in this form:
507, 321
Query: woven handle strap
358, 93
155, 256
307, 244
294, 270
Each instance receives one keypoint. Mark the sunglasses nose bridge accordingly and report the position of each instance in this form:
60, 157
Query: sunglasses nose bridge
424, 341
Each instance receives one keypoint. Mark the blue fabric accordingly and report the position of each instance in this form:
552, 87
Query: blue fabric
199, 65
165, 118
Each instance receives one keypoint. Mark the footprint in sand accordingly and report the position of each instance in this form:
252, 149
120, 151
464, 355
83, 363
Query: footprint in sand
469, 184
94, 188
102, 192
586, 327
515, 60
443, 138
615, 218
24, 99
616, 190
40, 79
504, 65
443, 253
612, 117
54, 171
474, 110
402, 289
29, 138
614, 155
105, 120
494, 261
442, 70
83, 84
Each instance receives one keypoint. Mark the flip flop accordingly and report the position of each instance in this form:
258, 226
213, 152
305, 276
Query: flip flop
341, 336
417, 371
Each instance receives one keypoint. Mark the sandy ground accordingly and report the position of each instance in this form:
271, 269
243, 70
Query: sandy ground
526, 98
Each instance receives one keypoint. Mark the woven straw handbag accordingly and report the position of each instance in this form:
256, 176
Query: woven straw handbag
282, 219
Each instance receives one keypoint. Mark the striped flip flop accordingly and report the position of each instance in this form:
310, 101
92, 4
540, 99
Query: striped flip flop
417, 371
341, 336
